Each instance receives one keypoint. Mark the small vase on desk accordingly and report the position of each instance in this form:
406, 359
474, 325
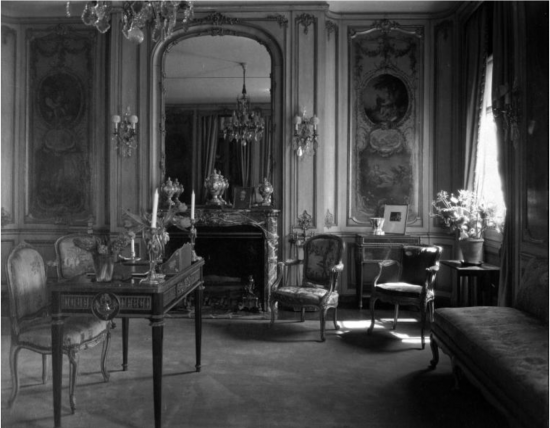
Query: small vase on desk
104, 267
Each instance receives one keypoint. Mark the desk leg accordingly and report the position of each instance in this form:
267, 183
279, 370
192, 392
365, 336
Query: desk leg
198, 326
157, 325
57, 358
359, 283
125, 330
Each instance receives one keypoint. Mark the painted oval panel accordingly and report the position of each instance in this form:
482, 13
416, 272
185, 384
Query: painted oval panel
385, 99
60, 99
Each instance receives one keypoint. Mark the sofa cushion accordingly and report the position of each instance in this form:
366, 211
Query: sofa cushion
304, 295
507, 345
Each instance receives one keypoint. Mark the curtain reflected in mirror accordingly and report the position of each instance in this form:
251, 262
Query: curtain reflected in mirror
191, 159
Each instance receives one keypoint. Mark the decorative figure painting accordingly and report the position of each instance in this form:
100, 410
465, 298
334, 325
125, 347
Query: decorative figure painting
60, 123
386, 137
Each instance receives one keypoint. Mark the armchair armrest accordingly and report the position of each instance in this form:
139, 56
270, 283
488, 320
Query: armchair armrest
292, 262
384, 264
430, 276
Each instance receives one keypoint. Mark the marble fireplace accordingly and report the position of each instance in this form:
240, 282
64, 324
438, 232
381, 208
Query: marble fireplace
236, 245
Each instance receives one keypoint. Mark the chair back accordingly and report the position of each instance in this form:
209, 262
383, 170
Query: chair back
321, 254
28, 295
416, 259
72, 260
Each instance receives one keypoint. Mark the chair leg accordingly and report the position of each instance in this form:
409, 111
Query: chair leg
335, 319
322, 319
303, 314
395, 316
273, 305
432, 309
73, 373
372, 302
104, 353
423, 310
44, 368
14, 352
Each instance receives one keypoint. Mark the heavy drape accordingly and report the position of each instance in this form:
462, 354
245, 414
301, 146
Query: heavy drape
208, 138
504, 109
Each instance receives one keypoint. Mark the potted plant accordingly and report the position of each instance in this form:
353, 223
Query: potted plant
468, 217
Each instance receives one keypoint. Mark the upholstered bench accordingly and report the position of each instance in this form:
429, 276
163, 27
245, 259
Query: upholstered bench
502, 350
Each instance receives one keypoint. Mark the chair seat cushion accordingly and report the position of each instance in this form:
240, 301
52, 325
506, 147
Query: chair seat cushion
304, 296
77, 330
505, 344
401, 289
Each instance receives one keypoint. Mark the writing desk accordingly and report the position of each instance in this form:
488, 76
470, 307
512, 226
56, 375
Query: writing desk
485, 277
126, 299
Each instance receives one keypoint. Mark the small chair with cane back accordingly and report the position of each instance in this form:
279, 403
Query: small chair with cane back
413, 285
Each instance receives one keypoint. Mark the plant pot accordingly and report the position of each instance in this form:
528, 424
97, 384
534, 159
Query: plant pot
104, 266
472, 251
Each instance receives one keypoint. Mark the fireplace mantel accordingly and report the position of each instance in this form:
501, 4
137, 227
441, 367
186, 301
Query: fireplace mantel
264, 219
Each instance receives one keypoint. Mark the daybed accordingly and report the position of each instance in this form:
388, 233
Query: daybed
503, 350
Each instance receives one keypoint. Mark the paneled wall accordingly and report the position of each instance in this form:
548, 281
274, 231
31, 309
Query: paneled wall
314, 60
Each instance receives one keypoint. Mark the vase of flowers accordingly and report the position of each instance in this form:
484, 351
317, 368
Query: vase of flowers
104, 252
468, 217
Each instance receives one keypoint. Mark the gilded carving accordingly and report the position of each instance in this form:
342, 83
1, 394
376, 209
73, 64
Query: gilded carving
217, 19
306, 20
281, 19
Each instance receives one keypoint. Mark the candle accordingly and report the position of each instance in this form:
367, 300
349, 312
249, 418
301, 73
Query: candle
155, 209
132, 247
193, 205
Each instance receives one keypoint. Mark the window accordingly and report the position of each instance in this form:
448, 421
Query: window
488, 184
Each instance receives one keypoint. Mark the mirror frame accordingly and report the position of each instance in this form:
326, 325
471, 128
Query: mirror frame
158, 115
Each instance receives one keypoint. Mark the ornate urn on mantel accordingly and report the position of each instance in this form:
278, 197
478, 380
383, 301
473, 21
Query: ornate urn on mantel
266, 189
216, 184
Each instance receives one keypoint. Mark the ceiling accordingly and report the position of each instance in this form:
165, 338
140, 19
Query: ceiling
48, 8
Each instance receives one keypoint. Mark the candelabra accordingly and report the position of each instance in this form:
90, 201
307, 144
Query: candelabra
155, 239
124, 133
192, 237
305, 134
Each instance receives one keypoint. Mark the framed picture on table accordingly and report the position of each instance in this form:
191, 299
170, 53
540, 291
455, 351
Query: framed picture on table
242, 197
395, 219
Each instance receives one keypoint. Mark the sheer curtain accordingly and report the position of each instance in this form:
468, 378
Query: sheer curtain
475, 48
504, 109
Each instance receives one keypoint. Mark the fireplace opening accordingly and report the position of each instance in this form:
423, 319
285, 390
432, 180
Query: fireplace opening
234, 266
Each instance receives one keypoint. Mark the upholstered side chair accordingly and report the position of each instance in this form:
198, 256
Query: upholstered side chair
413, 284
30, 320
72, 261
322, 266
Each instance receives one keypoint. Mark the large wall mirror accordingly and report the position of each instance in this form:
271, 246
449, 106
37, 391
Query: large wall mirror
203, 75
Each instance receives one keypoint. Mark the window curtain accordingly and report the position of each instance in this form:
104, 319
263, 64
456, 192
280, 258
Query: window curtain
504, 108
475, 48
208, 145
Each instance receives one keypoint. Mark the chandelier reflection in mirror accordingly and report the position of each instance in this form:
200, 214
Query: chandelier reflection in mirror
305, 134
161, 15
124, 133
246, 124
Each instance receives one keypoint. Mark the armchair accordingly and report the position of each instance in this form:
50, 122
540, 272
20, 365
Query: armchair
30, 322
413, 285
322, 266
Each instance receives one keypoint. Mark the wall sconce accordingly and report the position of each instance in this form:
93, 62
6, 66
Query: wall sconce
305, 134
124, 133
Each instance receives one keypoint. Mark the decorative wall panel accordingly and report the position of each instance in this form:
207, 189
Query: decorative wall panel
386, 102
59, 124
9, 96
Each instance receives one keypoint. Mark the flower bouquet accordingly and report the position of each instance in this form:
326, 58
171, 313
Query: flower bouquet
464, 214
104, 252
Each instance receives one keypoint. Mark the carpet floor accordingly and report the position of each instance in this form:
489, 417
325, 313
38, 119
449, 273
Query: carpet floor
256, 376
